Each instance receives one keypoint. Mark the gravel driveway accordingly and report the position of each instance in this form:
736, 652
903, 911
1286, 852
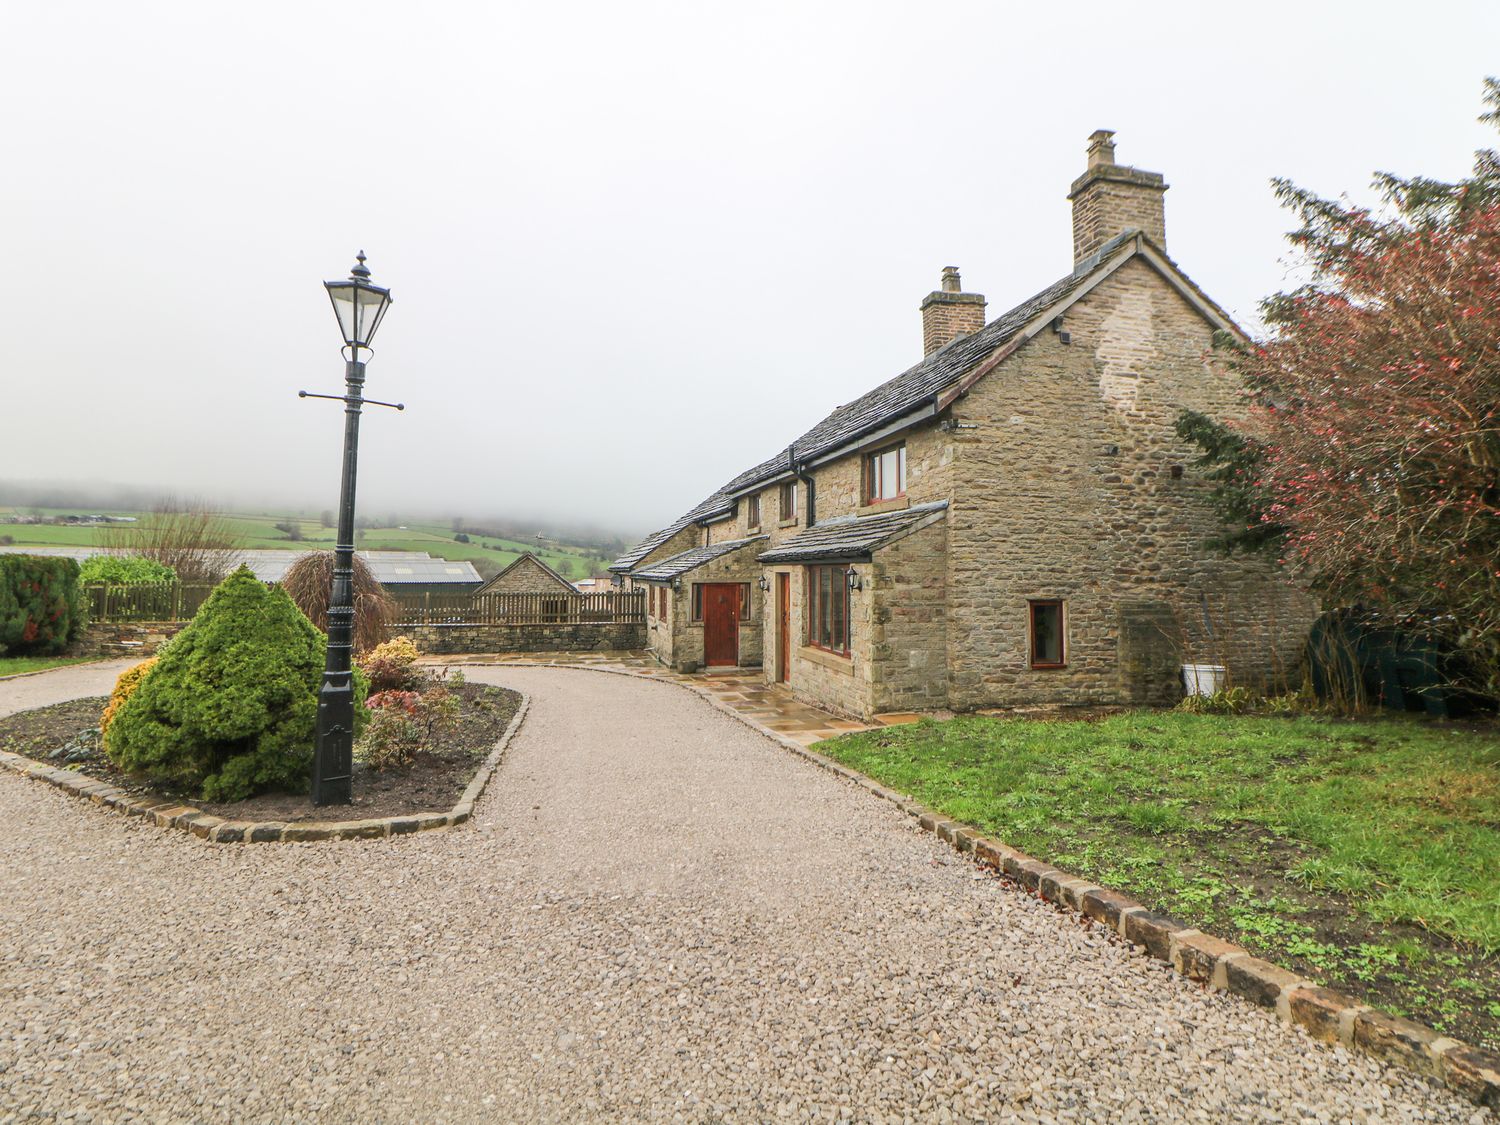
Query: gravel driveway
656, 914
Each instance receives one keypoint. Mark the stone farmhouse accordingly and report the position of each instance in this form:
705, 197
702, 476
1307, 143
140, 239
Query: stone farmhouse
1012, 521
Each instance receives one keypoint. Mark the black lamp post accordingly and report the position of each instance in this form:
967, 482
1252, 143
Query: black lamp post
359, 307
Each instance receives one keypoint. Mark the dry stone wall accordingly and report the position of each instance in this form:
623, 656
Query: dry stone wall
584, 637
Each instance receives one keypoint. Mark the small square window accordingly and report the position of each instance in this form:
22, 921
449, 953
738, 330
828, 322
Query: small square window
1047, 639
885, 474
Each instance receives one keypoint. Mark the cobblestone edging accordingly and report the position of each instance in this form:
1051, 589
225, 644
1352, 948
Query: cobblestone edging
172, 814
1323, 1013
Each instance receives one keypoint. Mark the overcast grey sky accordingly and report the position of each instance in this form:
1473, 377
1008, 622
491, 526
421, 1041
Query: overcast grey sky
634, 247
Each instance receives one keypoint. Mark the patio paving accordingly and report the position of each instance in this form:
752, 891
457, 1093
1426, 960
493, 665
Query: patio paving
745, 690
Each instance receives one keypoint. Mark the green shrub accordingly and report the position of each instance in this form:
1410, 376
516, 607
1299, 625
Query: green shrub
392, 666
124, 570
1226, 701
230, 709
41, 608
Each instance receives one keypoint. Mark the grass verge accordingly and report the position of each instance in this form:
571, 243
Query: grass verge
1364, 854
16, 665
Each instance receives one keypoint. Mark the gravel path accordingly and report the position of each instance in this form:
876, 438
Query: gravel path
656, 915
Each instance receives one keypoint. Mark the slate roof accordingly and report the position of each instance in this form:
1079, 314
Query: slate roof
914, 388
716, 505
668, 569
852, 537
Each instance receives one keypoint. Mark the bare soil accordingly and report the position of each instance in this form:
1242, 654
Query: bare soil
433, 783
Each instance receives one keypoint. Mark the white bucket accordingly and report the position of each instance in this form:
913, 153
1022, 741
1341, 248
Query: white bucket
1204, 679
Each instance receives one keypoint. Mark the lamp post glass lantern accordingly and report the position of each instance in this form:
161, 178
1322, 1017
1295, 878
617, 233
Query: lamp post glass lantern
360, 307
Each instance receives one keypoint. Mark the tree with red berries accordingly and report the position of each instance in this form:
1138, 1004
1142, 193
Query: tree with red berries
1372, 455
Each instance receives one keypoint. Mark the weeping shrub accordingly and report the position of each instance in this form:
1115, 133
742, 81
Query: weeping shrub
41, 607
309, 581
230, 709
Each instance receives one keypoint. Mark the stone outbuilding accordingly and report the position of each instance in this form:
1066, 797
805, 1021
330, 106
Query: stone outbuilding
1011, 521
527, 575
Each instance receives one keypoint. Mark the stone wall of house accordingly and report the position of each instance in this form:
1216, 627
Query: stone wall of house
838, 683
909, 628
119, 639
840, 488
658, 630
587, 637
686, 646
1074, 486
527, 576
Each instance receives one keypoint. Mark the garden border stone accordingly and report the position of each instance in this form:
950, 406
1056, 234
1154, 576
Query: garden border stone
217, 830
1322, 1012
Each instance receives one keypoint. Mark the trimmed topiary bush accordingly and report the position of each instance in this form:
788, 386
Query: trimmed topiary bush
125, 686
41, 606
124, 570
231, 707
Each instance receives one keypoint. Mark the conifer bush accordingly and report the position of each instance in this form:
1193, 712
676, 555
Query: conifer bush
41, 607
230, 709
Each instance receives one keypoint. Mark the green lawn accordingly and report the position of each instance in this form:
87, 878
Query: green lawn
1366, 854
15, 665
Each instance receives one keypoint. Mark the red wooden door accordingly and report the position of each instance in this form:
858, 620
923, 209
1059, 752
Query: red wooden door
721, 625
783, 625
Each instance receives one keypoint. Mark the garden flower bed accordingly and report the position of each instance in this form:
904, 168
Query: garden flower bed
66, 736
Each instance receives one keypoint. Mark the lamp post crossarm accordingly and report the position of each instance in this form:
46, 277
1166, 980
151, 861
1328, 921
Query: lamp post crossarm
346, 399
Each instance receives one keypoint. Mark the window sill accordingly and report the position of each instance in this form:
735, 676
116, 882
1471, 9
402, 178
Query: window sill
896, 504
825, 659
1049, 667
788, 523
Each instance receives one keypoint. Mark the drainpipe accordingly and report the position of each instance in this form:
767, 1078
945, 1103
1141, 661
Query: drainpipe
812, 492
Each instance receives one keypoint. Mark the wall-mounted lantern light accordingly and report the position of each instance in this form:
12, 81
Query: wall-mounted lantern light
853, 576
677, 582
764, 583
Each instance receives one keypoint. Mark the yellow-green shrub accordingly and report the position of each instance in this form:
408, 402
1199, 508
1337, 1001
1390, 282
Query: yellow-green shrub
125, 685
392, 666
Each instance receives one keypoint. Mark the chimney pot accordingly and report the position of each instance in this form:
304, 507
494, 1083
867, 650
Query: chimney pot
951, 282
1101, 147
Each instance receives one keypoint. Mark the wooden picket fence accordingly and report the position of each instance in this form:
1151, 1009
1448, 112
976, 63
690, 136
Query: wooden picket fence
147, 601
611, 608
174, 601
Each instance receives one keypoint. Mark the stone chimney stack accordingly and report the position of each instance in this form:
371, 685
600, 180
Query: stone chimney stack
1111, 198
950, 313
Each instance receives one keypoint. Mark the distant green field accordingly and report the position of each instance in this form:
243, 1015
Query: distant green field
258, 530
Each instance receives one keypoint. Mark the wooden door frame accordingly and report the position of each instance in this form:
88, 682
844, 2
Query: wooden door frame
783, 611
706, 592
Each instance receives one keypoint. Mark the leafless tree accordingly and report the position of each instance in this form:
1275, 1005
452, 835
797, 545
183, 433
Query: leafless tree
198, 543
309, 581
